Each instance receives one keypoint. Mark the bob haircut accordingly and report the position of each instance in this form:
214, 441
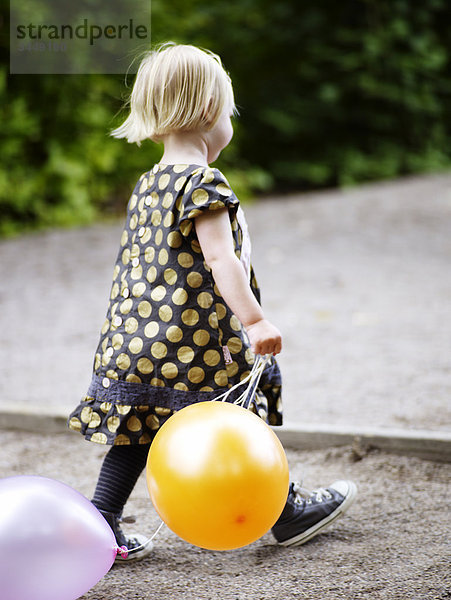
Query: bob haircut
177, 88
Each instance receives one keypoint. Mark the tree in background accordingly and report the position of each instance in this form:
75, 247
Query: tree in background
333, 93
330, 94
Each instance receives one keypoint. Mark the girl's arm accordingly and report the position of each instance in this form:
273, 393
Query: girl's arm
216, 241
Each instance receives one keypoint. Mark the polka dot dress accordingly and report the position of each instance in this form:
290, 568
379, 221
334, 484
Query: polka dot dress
169, 339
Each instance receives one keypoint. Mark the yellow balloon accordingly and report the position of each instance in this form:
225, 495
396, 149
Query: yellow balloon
217, 475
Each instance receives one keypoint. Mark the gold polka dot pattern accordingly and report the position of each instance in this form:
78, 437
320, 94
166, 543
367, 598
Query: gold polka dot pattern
167, 327
121, 425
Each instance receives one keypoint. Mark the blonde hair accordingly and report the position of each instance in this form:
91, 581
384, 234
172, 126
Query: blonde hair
177, 88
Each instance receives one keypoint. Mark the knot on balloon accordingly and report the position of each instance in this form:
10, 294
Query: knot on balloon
123, 551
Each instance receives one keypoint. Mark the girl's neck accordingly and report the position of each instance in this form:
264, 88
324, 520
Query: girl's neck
185, 148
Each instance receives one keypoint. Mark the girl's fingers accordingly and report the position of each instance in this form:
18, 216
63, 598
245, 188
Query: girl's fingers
266, 345
268, 348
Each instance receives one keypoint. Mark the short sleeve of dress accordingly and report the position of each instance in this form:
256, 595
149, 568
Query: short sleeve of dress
207, 189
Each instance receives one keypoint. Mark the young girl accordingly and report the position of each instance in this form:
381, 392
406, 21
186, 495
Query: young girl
184, 321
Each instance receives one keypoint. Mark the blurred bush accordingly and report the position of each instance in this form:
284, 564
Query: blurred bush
59, 166
330, 94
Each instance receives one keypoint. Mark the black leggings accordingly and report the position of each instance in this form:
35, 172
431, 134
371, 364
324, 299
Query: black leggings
120, 471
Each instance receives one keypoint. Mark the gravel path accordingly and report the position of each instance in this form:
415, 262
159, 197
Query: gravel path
393, 544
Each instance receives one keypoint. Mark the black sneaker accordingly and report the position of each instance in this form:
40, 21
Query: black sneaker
138, 546
307, 513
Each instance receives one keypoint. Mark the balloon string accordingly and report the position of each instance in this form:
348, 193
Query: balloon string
123, 550
252, 380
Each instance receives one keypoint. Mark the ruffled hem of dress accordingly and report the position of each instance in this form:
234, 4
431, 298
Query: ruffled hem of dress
122, 413
117, 424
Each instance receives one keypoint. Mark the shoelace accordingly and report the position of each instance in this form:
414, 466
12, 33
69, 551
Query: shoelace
303, 495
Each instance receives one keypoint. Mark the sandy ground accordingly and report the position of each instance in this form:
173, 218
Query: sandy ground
393, 544
358, 281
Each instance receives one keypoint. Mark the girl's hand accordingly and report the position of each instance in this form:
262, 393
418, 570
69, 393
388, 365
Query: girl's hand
265, 338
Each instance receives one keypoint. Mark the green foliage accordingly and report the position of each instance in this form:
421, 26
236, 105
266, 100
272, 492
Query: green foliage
59, 166
330, 94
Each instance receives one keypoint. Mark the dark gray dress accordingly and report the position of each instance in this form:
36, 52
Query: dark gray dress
169, 339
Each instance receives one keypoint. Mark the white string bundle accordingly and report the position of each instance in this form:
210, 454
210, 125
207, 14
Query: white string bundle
252, 381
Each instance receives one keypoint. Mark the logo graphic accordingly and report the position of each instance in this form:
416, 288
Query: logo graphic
50, 36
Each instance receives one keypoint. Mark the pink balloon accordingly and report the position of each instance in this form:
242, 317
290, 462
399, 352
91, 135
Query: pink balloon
55, 545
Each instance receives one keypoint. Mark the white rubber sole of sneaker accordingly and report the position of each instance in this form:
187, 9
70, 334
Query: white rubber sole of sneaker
144, 550
307, 535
